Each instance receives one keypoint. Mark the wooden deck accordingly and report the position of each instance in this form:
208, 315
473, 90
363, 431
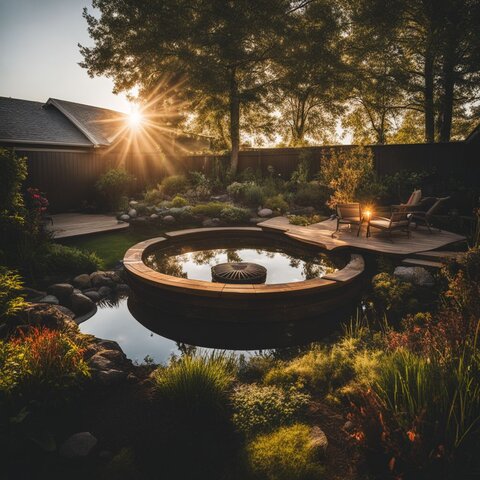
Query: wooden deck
321, 234
67, 225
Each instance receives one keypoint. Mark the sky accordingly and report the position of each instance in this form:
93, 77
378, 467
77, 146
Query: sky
39, 54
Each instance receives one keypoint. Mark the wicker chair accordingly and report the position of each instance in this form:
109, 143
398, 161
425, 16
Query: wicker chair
427, 210
349, 214
399, 220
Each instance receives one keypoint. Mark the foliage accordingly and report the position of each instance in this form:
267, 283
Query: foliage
196, 384
178, 202
401, 184
210, 209
11, 299
276, 203
287, 454
154, 195
312, 195
253, 195
57, 258
304, 220
259, 408
202, 186
393, 295
14, 172
351, 176
174, 185
303, 172
236, 189
114, 184
232, 214
40, 365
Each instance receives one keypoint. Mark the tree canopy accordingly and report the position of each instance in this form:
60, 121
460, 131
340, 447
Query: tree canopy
388, 70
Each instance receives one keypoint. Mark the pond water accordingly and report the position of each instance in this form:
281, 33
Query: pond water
113, 321
283, 265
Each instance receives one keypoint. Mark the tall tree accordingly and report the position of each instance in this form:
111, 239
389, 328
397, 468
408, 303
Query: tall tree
221, 49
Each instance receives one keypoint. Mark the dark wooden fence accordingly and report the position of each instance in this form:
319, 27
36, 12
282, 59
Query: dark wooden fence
68, 176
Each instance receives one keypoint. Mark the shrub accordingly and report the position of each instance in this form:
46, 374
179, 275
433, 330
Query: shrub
253, 195
262, 408
210, 209
178, 202
196, 384
305, 220
59, 258
231, 214
393, 295
302, 174
277, 203
174, 184
113, 185
312, 195
11, 300
40, 365
286, 454
153, 196
236, 189
14, 172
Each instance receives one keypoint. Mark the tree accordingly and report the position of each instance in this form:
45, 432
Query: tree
221, 50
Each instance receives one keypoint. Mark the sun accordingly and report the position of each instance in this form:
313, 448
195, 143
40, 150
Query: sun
135, 118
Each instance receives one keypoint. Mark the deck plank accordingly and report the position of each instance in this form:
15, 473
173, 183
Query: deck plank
320, 234
68, 225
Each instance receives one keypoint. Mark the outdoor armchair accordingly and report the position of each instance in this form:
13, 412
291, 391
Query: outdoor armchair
348, 214
399, 220
412, 203
428, 208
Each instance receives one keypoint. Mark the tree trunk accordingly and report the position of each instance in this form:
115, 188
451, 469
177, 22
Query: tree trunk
428, 94
234, 123
446, 113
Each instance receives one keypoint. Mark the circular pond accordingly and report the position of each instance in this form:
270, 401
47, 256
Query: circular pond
174, 274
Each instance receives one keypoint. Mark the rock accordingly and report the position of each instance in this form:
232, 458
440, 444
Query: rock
132, 213
102, 279
77, 290
51, 299
220, 198
319, 441
256, 220
78, 445
60, 290
211, 222
82, 281
114, 276
141, 219
104, 291
44, 315
81, 303
417, 275
159, 209
99, 362
93, 295
125, 217
348, 427
265, 212
168, 219
133, 203
111, 377
107, 344
32, 295
66, 311
153, 216
122, 289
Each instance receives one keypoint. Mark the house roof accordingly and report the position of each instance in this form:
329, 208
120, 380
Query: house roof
24, 121
58, 122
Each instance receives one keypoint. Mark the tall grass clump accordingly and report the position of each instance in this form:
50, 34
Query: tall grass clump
196, 384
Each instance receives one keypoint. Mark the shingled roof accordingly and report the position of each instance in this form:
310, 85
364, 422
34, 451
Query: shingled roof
58, 122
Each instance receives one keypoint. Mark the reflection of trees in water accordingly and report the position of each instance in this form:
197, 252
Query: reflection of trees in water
266, 253
204, 257
232, 255
168, 265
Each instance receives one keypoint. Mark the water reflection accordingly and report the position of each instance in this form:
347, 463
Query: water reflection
282, 266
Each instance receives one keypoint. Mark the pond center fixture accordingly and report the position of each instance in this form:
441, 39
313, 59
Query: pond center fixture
239, 272
240, 275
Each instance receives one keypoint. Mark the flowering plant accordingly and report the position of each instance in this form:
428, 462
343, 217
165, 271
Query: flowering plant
37, 200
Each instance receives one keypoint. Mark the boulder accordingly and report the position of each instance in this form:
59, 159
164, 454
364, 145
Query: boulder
66, 311
50, 316
256, 220
60, 290
133, 203
110, 377
348, 427
104, 291
81, 303
132, 213
32, 295
78, 445
319, 441
211, 222
125, 217
82, 281
122, 289
102, 279
265, 212
51, 299
418, 276
100, 362
168, 219
154, 216
220, 198
93, 295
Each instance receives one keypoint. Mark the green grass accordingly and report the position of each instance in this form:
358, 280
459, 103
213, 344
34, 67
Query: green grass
110, 247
